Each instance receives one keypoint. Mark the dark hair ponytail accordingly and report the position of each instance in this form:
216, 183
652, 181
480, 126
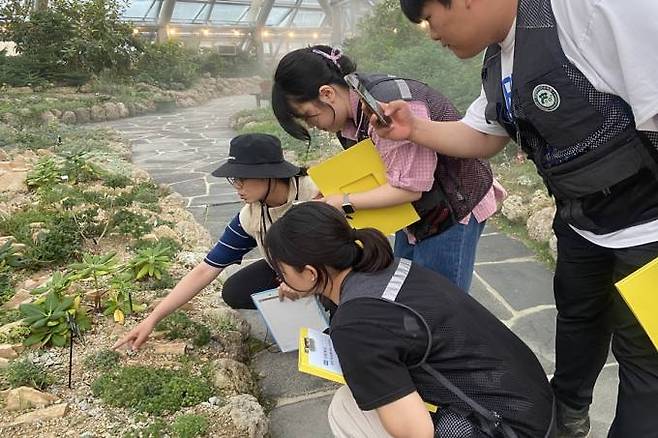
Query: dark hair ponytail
316, 234
298, 78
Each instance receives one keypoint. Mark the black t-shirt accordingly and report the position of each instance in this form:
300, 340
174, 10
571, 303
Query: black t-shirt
377, 341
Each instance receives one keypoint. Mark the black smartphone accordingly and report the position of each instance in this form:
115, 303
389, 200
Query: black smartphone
367, 99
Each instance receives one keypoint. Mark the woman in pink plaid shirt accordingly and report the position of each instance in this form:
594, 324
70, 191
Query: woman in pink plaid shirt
454, 197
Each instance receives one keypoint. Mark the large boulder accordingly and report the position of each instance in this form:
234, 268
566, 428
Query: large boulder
55, 411
69, 118
540, 200
247, 416
233, 376
27, 398
123, 110
193, 235
227, 319
48, 117
514, 209
13, 182
98, 113
540, 224
112, 111
82, 115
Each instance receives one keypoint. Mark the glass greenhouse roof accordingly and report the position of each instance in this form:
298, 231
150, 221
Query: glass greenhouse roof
284, 13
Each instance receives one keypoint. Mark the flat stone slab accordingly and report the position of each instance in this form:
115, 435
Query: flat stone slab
498, 247
305, 419
522, 285
602, 410
280, 377
537, 330
489, 300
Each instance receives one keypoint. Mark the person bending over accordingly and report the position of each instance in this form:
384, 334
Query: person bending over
406, 336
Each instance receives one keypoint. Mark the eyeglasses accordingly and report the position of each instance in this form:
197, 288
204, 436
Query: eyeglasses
235, 182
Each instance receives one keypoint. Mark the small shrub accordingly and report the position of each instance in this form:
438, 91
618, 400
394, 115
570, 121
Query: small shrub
151, 390
129, 223
116, 180
179, 326
15, 335
167, 63
189, 426
157, 429
27, 373
103, 360
45, 173
8, 316
56, 240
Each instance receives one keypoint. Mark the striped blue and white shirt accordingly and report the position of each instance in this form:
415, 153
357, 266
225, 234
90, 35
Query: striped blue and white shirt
232, 246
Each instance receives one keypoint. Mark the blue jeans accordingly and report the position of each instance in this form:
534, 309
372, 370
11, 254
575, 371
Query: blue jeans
451, 253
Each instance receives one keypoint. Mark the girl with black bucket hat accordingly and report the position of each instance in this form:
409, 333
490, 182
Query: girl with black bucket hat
269, 185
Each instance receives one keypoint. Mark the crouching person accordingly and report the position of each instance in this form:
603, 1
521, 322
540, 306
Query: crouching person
406, 336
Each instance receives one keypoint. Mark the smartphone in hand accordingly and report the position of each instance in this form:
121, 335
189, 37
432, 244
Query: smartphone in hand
367, 99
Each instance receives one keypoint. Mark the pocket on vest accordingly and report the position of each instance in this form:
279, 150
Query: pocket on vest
557, 109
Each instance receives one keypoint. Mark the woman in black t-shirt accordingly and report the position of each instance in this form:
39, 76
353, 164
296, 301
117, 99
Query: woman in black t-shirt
405, 336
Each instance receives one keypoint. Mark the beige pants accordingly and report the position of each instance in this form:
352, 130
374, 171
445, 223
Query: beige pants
348, 421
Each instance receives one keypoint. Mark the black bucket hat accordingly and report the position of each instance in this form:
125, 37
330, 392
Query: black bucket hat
256, 156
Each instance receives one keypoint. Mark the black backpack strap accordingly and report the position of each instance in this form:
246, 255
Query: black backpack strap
492, 417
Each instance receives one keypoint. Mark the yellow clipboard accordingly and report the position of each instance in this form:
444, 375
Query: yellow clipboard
359, 169
640, 291
308, 340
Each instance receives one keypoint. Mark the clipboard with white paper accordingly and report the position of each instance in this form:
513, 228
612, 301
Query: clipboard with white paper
285, 318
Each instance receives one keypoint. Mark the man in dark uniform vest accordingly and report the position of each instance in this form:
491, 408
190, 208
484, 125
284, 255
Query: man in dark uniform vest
574, 83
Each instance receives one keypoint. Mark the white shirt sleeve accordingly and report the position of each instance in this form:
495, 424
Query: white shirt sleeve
475, 118
613, 43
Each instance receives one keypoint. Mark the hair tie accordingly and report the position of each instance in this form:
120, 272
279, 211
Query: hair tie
334, 56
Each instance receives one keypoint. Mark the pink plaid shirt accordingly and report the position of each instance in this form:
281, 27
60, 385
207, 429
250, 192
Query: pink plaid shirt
411, 166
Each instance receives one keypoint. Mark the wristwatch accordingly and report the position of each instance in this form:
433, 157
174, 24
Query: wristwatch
347, 206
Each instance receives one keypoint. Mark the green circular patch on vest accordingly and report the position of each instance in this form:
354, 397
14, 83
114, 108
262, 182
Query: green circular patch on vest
546, 97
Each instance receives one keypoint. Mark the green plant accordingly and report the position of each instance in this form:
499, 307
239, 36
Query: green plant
10, 258
151, 261
173, 245
129, 223
179, 326
15, 335
151, 390
7, 316
166, 282
120, 303
116, 180
59, 283
157, 429
166, 64
50, 318
71, 37
95, 266
45, 173
189, 426
27, 373
79, 167
51, 237
103, 360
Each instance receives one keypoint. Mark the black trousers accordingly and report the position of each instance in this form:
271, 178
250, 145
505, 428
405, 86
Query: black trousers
256, 277
591, 314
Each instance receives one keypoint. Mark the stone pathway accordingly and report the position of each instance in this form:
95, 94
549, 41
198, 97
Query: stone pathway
180, 149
